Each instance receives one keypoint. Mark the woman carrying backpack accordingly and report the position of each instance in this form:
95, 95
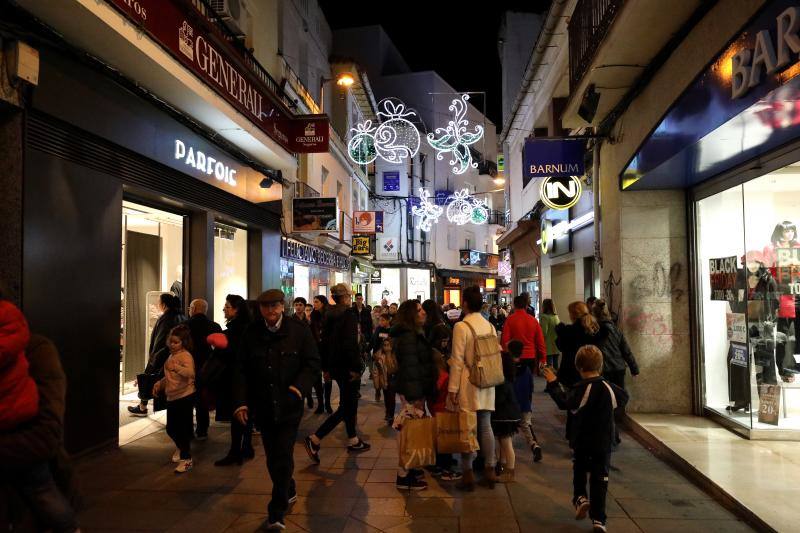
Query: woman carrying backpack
464, 395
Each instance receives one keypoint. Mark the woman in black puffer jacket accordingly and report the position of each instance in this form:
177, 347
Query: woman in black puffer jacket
416, 371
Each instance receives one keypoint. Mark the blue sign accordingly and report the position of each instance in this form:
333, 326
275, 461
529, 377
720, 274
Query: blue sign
413, 201
717, 124
378, 221
391, 181
543, 158
441, 197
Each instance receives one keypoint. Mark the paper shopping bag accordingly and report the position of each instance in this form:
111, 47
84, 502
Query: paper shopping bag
417, 444
456, 432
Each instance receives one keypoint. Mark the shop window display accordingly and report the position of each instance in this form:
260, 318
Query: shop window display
230, 266
749, 254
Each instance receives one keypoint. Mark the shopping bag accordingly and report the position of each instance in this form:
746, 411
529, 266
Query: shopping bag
456, 432
417, 444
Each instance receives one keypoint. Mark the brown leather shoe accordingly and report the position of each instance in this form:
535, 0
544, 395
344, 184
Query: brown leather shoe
489, 478
467, 482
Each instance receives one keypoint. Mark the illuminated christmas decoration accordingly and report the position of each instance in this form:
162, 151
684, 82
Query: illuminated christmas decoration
361, 147
463, 208
428, 211
455, 139
394, 140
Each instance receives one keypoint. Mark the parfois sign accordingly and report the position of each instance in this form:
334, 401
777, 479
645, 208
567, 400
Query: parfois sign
201, 47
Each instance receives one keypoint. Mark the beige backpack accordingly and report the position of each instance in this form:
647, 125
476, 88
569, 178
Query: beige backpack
486, 369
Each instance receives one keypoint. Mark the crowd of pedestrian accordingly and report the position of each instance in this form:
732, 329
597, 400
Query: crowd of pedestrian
260, 372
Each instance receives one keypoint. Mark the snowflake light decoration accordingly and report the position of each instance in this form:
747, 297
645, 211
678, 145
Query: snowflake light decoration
428, 211
455, 139
394, 140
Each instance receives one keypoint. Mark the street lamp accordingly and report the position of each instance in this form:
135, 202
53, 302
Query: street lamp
345, 79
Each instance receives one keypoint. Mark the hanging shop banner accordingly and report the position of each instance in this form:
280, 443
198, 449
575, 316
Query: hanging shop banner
315, 215
769, 404
361, 245
723, 273
367, 221
501, 163
312, 255
442, 196
201, 47
387, 249
560, 192
375, 277
545, 157
478, 258
391, 181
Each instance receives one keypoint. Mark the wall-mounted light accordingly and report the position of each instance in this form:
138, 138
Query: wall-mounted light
345, 79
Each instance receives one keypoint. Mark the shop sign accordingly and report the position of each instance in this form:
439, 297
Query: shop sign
205, 163
317, 215
491, 283
501, 163
723, 273
545, 157
440, 197
456, 282
748, 63
478, 258
769, 404
560, 193
312, 255
367, 221
375, 277
200, 46
361, 245
386, 248
391, 181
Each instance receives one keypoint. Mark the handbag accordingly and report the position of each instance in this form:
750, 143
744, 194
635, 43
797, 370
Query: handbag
417, 443
456, 432
486, 369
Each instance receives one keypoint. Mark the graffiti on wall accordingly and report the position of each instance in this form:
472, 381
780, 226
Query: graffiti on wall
663, 282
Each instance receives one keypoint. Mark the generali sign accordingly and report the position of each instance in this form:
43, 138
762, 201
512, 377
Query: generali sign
201, 47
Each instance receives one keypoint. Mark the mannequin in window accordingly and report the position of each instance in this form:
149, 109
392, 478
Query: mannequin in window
737, 357
177, 286
763, 304
784, 236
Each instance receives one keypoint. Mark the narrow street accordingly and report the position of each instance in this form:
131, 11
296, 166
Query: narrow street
134, 488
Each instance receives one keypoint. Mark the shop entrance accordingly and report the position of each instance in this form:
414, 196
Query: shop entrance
152, 263
562, 288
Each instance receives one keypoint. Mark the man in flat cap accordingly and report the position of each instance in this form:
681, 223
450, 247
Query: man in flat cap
276, 367
342, 355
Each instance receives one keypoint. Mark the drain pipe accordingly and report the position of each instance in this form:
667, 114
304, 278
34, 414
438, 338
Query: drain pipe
598, 256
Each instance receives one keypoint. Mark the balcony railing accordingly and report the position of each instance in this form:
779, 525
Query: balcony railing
587, 29
497, 217
304, 190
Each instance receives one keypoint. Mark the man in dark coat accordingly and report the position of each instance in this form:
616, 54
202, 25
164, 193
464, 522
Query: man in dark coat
364, 313
201, 327
277, 364
343, 361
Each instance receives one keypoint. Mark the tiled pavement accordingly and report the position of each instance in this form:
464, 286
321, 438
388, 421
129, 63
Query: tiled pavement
134, 488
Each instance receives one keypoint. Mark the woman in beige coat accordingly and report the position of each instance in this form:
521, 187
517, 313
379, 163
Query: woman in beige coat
465, 396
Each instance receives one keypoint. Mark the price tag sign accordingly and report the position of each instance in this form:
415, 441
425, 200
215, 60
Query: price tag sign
769, 404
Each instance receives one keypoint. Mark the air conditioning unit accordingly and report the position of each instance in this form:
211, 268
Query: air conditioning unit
235, 15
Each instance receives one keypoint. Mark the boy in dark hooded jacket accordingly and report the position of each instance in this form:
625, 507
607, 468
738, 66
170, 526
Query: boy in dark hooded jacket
592, 402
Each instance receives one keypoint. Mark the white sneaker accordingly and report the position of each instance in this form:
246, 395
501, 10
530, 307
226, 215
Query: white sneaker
176, 457
184, 465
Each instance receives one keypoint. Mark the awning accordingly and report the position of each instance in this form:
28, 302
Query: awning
466, 274
523, 228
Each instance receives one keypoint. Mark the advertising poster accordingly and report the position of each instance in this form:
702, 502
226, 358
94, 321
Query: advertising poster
769, 404
315, 215
386, 249
368, 222
723, 271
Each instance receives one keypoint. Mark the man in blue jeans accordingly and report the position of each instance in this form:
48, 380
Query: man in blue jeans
341, 357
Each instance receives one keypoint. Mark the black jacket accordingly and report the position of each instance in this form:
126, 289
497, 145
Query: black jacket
497, 322
569, 338
440, 336
616, 352
506, 408
341, 353
268, 363
592, 420
365, 320
201, 327
378, 335
224, 397
416, 373
158, 340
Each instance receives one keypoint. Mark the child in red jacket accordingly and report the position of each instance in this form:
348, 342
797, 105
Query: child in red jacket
19, 397
444, 461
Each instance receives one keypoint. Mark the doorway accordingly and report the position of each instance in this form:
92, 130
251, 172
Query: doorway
152, 263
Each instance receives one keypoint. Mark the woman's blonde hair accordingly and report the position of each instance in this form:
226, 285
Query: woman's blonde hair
579, 312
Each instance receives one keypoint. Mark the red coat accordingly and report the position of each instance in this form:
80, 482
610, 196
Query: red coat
440, 405
524, 327
19, 397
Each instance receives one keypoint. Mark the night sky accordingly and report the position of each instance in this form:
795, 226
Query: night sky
421, 30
